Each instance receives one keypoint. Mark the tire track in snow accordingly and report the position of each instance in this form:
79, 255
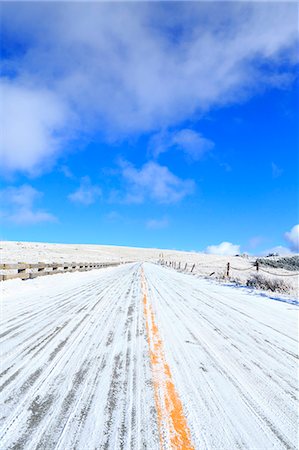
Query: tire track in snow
261, 403
77, 370
49, 369
61, 398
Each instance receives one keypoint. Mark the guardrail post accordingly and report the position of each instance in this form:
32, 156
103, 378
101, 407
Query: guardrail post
41, 267
22, 270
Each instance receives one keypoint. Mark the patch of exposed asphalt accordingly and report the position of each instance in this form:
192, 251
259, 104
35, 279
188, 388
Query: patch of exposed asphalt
112, 398
38, 410
123, 428
79, 323
5, 333
109, 338
86, 407
58, 349
2, 374
103, 363
25, 386
48, 440
133, 415
78, 380
10, 379
20, 316
46, 340
30, 381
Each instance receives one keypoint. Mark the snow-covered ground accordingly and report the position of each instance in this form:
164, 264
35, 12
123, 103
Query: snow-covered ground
77, 372
32, 252
12, 252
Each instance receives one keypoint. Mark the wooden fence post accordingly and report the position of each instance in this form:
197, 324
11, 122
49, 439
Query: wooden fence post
192, 268
257, 266
186, 265
227, 269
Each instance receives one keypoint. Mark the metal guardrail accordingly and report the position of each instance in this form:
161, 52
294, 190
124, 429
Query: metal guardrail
26, 271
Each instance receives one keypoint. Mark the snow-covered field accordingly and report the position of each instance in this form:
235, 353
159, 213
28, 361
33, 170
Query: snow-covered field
143, 357
33, 252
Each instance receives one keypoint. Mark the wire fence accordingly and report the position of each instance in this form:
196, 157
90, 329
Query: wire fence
255, 267
242, 270
296, 274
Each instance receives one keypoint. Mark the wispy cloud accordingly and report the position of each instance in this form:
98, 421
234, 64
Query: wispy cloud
225, 248
190, 142
87, 193
276, 171
157, 224
154, 182
19, 206
255, 241
114, 216
292, 238
81, 70
66, 172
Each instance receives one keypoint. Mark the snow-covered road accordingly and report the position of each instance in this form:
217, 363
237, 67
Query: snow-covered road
142, 357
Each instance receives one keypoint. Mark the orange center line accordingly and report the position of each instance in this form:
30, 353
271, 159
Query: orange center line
173, 428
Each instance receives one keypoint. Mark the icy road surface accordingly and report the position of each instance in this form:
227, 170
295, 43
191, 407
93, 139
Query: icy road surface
141, 357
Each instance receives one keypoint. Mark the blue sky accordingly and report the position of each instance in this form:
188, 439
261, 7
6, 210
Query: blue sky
153, 125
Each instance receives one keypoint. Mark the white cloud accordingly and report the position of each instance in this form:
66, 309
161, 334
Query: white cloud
86, 194
276, 171
225, 248
160, 69
113, 216
279, 249
190, 142
66, 172
255, 241
157, 224
29, 217
19, 208
32, 120
155, 182
292, 237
